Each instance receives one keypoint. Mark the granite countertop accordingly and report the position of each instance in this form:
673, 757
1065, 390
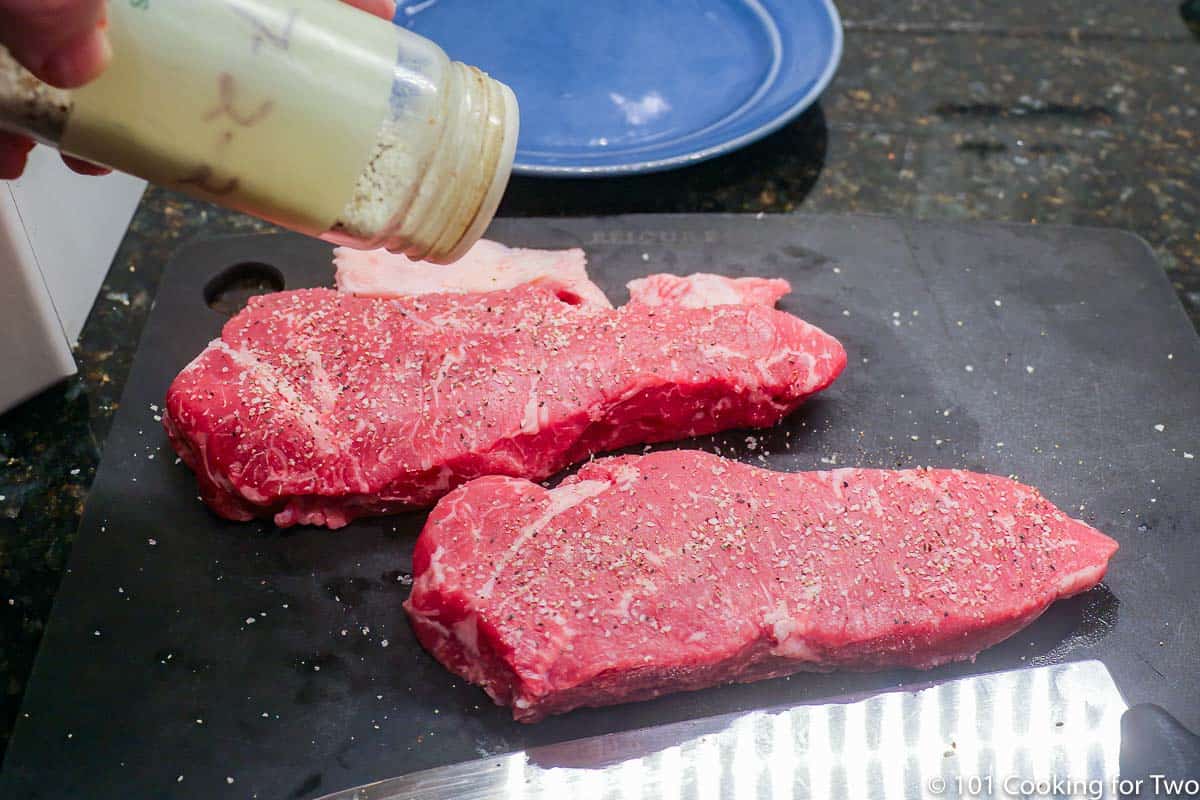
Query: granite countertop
1088, 114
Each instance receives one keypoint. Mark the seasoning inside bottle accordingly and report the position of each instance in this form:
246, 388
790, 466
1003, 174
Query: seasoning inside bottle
311, 114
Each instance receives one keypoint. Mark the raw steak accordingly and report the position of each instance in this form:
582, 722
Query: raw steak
486, 267
702, 289
316, 407
679, 570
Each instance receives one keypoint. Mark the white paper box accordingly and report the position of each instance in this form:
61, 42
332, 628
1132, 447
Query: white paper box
58, 234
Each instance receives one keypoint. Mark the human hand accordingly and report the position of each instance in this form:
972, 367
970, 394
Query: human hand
63, 42
380, 8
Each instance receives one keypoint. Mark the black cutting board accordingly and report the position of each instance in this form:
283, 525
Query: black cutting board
191, 657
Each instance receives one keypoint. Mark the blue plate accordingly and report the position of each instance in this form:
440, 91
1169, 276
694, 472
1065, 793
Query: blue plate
610, 87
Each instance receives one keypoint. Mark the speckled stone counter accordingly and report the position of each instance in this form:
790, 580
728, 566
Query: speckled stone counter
1087, 114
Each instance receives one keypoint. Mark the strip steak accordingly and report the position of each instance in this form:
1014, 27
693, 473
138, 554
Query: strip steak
680, 570
486, 267
703, 289
316, 407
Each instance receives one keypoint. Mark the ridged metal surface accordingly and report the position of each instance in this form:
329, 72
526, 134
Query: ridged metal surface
1046, 732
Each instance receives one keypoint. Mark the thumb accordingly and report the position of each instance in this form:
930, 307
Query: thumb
61, 41
380, 8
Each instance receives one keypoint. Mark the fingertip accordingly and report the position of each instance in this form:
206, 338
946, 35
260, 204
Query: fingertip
385, 9
84, 167
79, 61
14, 151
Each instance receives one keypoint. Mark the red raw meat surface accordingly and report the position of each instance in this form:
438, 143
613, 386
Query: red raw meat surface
316, 407
679, 570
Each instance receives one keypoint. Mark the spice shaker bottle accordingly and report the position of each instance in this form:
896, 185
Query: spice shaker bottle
308, 113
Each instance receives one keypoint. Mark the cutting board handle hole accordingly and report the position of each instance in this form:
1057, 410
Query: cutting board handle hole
228, 291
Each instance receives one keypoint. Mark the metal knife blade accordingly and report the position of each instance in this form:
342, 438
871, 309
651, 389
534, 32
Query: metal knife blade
1025, 728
